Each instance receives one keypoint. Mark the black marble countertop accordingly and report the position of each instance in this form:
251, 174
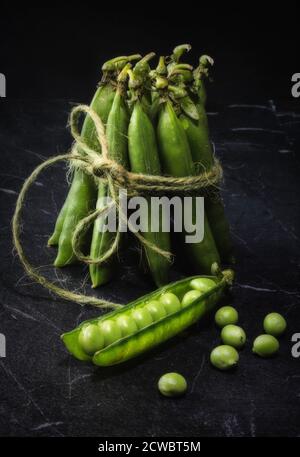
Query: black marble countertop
45, 392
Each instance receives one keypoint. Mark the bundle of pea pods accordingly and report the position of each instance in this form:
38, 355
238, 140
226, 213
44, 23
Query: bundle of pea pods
156, 124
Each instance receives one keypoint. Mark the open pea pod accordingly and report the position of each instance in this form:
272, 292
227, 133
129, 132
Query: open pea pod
156, 332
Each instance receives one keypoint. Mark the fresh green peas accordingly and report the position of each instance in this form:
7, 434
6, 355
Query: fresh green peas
142, 317
156, 310
156, 332
265, 345
172, 385
202, 284
274, 324
226, 315
233, 335
224, 357
170, 302
110, 331
91, 339
190, 296
126, 324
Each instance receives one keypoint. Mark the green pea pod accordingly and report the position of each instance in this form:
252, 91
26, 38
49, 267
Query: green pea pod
101, 103
201, 92
203, 157
116, 134
54, 238
137, 341
82, 194
177, 161
143, 156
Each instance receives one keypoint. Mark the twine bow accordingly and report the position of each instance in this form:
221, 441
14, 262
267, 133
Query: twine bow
116, 176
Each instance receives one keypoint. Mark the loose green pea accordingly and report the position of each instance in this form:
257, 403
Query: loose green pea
265, 345
190, 296
274, 324
91, 339
172, 385
126, 324
224, 357
233, 335
142, 317
226, 315
110, 331
170, 302
202, 284
156, 310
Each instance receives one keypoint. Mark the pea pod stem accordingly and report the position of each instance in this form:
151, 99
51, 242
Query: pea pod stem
118, 63
178, 51
161, 68
200, 74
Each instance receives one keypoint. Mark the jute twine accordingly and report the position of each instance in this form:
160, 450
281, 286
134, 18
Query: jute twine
101, 167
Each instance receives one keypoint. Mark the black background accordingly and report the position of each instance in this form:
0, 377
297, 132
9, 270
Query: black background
52, 59
48, 52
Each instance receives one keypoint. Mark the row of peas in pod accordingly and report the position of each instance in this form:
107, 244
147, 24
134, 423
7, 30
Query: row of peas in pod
94, 337
145, 323
156, 124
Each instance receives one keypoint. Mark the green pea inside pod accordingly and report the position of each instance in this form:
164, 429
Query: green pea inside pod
156, 309
110, 330
126, 324
142, 317
190, 297
91, 339
202, 284
170, 302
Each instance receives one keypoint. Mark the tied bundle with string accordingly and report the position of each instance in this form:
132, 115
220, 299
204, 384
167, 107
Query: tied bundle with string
101, 167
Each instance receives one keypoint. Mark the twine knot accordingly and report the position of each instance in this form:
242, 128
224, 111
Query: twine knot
103, 165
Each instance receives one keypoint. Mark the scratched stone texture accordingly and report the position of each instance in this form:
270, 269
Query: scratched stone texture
45, 392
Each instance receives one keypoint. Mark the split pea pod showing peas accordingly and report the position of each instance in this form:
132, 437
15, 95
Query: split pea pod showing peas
143, 324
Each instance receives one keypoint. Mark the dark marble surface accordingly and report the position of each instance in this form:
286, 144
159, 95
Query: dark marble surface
44, 391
